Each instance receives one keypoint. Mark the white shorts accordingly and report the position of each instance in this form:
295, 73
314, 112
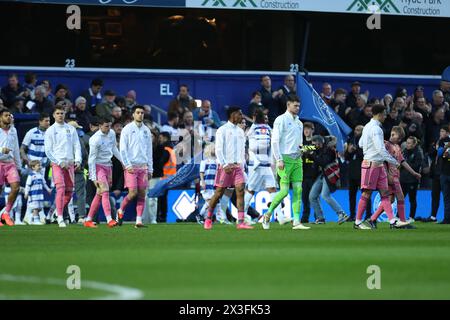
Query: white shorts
207, 194
36, 204
260, 178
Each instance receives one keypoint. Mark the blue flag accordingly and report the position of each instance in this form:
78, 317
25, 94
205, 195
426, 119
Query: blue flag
313, 108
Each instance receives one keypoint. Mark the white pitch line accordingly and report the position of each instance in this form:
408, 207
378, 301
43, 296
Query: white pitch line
117, 292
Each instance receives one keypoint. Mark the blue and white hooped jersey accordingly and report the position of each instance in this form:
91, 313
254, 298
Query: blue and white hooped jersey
209, 168
259, 137
34, 141
35, 187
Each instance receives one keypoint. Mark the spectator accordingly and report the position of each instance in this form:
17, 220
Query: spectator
148, 119
418, 93
172, 126
84, 116
415, 127
366, 115
30, 83
41, 103
421, 106
392, 120
400, 105
18, 106
104, 109
445, 84
168, 161
284, 91
354, 94
407, 118
433, 127
93, 95
338, 103
310, 171
183, 102
116, 114
401, 92
255, 104
61, 93
354, 156
93, 128
80, 181
268, 100
356, 114
439, 102
325, 183
387, 101
121, 102
435, 173
49, 95
130, 99
327, 93
11, 90
414, 157
158, 154
206, 115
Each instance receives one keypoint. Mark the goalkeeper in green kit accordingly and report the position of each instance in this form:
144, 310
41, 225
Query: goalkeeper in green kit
287, 139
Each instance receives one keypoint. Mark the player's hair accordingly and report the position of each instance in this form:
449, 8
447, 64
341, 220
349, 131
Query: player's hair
34, 163
378, 109
103, 121
232, 110
58, 107
445, 127
138, 106
416, 141
308, 125
292, 97
208, 150
43, 115
400, 131
3, 110
259, 116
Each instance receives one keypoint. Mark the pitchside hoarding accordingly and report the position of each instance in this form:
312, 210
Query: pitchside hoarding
425, 8
181, 203
428, 8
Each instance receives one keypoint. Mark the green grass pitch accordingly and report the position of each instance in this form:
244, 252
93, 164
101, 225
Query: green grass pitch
183, 261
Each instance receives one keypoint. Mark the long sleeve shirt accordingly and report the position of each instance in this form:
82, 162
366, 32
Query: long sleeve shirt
230, 145
372, 143
287, 136
136, 146
9, 139
102, 147
62, 144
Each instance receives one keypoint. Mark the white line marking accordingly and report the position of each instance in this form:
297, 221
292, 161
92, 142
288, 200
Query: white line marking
117, 292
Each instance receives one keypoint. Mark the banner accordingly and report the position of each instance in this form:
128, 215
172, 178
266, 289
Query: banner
424, 8
313, 108
181, 203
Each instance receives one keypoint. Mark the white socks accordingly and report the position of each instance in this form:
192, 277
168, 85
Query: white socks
247, 199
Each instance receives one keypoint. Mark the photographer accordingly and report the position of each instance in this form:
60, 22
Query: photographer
354, 156
325, 158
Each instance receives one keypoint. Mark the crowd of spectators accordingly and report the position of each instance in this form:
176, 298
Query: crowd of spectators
423, 116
